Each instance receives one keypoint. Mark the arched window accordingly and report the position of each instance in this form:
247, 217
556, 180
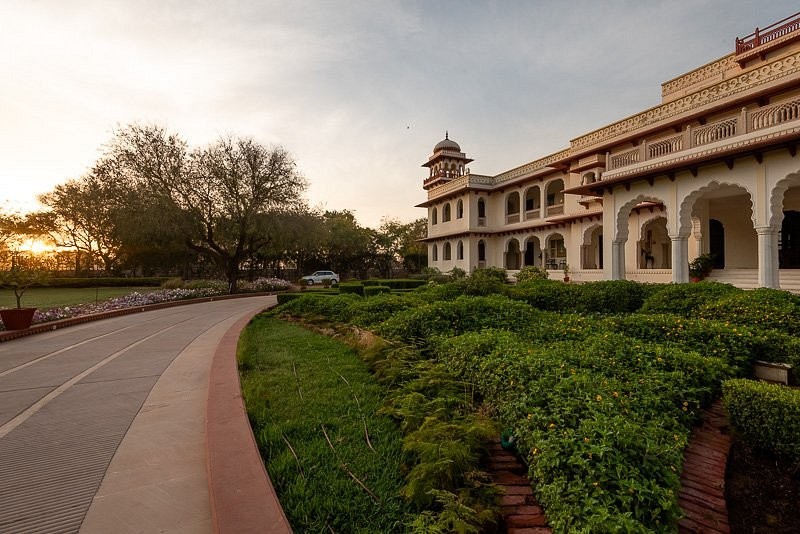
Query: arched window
555, 197
481, 250
459, 209
512, 208
533, 201
460, 250
481, 212
446, 252
434, 216
435, 253
446, 212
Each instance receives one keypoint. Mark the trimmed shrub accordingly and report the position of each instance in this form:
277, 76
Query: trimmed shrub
152, 281
766, 415
450, 318
283, 298
313, 305
685, 299
374, 310
371, 291
611, 296
173, 283
396, 283
530, 272
764, 308
550, 295
352, 287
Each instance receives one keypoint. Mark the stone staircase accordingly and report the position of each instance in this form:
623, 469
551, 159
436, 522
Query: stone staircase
748, 278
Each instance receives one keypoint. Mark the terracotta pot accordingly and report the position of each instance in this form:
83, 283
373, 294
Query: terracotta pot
17, 318
566, 278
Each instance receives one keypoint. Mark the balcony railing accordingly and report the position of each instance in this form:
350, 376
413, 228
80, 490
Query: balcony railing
512, 218
532, 214
555, 209
746, 122
770, 33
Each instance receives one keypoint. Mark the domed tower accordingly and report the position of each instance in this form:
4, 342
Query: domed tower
446, 163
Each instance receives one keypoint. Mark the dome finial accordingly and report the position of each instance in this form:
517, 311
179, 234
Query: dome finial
446, 134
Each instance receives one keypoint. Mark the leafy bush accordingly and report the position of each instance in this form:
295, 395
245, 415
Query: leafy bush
530, 272
611, 296
312, 306
396, 283
173, 283
737, 345
603, 421
764, 308
452, 318
685, 299
352, 287
217, 285
548, 295
456, 273
766, 415
371, 291
372, 311
152, 281
283, 298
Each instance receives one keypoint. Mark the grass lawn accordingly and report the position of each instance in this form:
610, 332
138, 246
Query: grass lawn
54, 297
310, 399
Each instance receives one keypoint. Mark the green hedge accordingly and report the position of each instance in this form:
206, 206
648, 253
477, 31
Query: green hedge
766, 415
685, 299
371, 291
356, 288
283, 298
765, 308
150, 281
395, 283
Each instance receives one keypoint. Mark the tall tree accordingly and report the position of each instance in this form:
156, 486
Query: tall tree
223, 190
81, 216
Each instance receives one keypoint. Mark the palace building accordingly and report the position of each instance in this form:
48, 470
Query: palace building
711, 169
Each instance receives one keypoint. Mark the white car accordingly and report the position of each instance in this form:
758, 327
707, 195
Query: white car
319, 277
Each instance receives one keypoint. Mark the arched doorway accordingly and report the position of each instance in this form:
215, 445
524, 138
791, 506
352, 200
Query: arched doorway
512, 255
592, 248
655, 246
533, 252
789, 244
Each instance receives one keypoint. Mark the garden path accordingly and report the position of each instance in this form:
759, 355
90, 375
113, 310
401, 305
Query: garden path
103, 425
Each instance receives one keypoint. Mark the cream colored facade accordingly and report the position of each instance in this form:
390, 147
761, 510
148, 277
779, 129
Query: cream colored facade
713, 168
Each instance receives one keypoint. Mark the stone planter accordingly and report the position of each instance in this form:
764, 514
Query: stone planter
17, 318
779, 373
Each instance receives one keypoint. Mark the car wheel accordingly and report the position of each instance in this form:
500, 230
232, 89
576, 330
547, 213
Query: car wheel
311, 282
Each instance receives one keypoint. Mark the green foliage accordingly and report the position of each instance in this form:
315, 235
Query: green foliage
371, 291
611, 296
454, 516
701, 266
152, 281
372, 311
456, 273
685, 299
220, 285
451, 318
396, 283
548, 295
766, 415
25, 270
172, 283
764, 308
283, 298
356, 288
530, 272
603, 421
312, 305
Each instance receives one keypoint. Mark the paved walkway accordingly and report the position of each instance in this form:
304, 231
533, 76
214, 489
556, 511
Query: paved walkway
102, 425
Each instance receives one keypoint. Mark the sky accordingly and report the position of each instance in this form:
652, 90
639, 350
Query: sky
358, 92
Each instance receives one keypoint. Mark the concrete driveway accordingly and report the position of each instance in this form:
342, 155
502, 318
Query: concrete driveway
102, 425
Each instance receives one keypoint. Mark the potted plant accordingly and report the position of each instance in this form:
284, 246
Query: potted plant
25, 271
566, 272
700, 267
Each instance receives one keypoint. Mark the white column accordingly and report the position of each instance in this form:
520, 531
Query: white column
618, 260
680, 259
768, 257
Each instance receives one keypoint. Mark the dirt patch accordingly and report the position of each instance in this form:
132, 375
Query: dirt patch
763, 493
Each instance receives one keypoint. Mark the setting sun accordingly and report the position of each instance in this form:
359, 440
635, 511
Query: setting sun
37, 246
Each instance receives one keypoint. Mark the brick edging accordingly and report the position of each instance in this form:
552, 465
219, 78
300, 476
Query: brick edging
702, 494
39, 328
242, 497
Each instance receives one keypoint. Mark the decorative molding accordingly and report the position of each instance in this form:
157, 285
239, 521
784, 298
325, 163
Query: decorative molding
756, 77
532, 166
700, 74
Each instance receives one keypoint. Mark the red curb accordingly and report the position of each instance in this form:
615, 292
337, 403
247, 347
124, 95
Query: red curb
39, 328
242, 497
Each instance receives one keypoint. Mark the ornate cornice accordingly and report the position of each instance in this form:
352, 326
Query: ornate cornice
758, 76
700, 74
